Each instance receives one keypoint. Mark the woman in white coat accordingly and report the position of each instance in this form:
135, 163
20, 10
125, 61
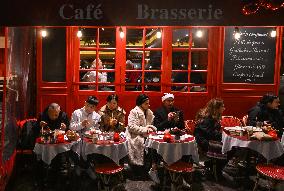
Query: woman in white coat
140, 122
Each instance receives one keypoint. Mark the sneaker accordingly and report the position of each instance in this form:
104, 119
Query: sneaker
184, 183
154, 176
91, 173
78, 170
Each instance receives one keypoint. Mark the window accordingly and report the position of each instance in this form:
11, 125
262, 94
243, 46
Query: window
189, 59
143, 59
97, 59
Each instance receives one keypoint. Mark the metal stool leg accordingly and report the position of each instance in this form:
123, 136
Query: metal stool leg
215, 169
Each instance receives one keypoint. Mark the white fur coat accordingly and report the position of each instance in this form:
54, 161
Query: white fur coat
136, 131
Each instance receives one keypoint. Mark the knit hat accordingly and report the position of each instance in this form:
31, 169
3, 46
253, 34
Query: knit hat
141, 99
168, 95
92, 100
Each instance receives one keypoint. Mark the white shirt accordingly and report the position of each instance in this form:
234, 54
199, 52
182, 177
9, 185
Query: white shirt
79, 115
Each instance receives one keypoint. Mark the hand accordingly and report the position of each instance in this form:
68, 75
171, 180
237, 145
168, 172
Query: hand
152, 127
85, 123
42, 124
171, 116
149, 130
62, 126
112, 121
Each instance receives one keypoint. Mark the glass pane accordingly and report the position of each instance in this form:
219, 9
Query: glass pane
198, 89
107, 37
137, 59
133, 88
153, 60
198, 77
199, 38
133, 76
86, 59
134, 38
108, 59
153, 38
180, 88
54, 56
152, 88
106, 88
110, 77
89, 37
180, 61
180, 38
180, 77
152, 77
199, 60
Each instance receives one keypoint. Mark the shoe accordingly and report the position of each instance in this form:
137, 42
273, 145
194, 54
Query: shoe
154, 176
78, 170
91, 173
184, 183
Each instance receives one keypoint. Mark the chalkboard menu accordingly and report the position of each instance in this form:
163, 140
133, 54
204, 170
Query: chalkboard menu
250, 59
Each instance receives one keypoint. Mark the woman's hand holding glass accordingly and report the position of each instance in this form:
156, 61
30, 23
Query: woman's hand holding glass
112, 121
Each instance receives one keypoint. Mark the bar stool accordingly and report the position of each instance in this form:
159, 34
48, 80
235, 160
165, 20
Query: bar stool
176, 170
105, 171
273, 172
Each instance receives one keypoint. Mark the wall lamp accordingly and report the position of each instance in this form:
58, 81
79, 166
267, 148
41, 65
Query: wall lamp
121, 33
237, 34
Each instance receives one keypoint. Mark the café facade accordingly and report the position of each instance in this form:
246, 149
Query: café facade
188, 48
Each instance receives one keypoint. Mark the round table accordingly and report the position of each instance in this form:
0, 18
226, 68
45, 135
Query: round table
112, 150
172, 152
46, 152
268, 149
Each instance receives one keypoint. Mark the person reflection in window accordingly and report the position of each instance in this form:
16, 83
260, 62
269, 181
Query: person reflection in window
131, 76
91, 75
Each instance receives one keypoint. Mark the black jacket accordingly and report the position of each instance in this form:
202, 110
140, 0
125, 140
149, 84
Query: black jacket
53, 124
161, 119
262, 113
206, 130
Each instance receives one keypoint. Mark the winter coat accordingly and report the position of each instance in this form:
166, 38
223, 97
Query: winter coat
136, 132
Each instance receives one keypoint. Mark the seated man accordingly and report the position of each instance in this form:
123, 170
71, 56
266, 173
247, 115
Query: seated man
267, 111
168, 116
53, 118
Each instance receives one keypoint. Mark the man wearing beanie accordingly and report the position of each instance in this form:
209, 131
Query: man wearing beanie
168, 116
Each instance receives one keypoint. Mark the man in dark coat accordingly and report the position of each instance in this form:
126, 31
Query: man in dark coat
53, 118
168, 116
267, 110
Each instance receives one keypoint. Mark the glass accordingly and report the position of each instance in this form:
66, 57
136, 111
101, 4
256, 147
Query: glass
54, 56
199, 60
198, 77
199, 41
89, 37
153, 60
259, 124
180, 38
108, 58
151, 38
180, 60
179, 77
107, 37
134, 38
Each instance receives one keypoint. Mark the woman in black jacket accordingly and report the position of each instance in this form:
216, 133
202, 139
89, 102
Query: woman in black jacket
208, 126
267, 110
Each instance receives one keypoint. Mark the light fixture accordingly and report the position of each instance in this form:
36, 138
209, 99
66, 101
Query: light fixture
79, 33
43, 33
199, 33
273, 33
237, 34
121, 33
159, 33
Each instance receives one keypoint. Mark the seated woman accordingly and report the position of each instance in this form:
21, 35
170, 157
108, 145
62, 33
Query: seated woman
112, 116
140, 122
208, 123
267, 110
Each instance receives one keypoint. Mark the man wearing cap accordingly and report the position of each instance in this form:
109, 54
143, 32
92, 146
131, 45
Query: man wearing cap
168, 116
82, 120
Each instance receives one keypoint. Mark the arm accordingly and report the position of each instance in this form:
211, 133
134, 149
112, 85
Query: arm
252, 115
160, 123
75, 123
133, 127
180, 123
65, 120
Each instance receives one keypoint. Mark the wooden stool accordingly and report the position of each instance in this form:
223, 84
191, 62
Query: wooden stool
105, 171
176, 170
273, 172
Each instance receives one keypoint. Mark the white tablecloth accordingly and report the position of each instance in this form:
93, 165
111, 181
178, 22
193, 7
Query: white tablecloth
115, 151
172, 152
47, 152
268, 149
